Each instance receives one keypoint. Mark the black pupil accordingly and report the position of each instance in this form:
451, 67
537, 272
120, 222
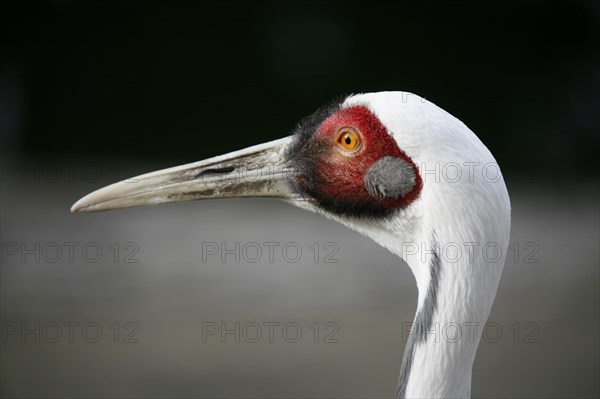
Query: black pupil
348, 140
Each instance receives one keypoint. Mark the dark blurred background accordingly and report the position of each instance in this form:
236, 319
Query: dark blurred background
127, 87
188, 80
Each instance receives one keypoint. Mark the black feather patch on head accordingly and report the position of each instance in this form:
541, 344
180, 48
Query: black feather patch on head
303, 152
307, 127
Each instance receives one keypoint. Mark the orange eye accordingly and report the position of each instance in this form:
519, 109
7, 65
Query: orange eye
348, 140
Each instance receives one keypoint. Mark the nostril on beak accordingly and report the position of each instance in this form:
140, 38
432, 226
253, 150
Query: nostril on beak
216, 171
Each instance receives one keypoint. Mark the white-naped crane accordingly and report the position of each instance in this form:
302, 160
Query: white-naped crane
398, 169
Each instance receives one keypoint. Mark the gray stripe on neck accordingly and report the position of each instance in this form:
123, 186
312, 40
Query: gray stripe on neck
421, 325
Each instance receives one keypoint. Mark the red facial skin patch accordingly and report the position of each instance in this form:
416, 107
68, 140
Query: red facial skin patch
336, 176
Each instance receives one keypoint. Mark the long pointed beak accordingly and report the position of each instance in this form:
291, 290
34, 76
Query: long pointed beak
258, 171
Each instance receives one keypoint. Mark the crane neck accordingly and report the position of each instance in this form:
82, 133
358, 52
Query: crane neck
455, 298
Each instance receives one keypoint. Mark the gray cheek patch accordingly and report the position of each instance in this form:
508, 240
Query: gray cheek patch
390, 177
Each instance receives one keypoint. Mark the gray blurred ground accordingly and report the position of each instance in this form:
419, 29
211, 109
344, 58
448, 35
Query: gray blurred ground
368, 294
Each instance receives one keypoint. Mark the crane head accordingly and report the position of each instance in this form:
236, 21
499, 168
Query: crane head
341, 159
361, 161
